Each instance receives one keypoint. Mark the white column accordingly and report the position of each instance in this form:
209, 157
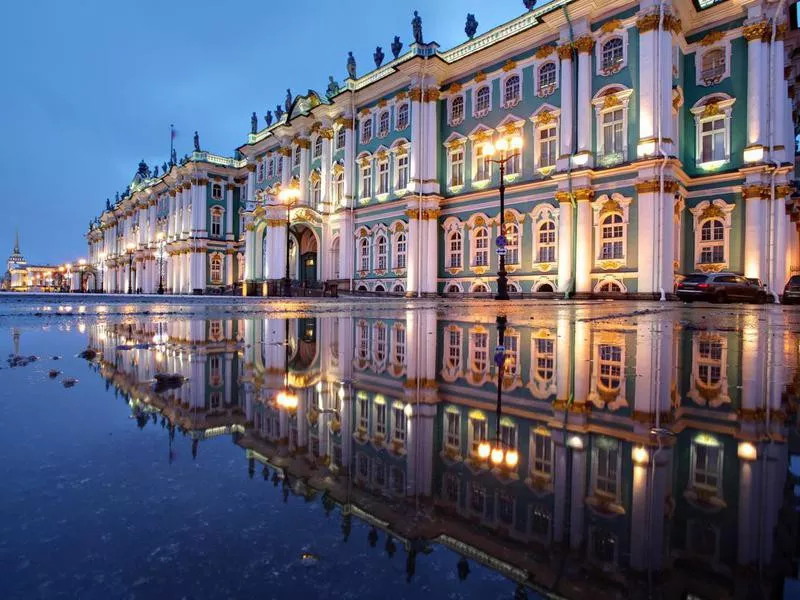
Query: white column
583, 255
565, 234
756, 111
566, 117
584, 116
780, 93
754, 232
229, 211
415, 166
779, 253
200, 209
349, 162
251, 186
286, 162
305, 188
347, 243
325, 170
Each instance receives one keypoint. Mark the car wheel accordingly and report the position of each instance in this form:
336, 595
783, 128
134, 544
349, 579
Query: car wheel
720, 297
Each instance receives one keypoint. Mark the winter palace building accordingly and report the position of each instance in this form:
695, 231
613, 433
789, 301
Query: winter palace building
658, 139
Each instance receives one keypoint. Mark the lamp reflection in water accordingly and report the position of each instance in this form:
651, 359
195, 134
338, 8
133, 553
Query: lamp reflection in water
286, 398
495, 449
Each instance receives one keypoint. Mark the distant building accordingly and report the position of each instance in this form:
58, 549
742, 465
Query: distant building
22, 277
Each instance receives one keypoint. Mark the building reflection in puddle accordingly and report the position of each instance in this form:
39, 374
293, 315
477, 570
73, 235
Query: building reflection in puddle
648, 451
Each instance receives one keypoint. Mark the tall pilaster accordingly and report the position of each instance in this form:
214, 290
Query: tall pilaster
753, 231
422, 273
565, 241
584, 45
229, 187
584, 251
756, 82
349, 160
326, 134
305, 163
655, 251
565, 53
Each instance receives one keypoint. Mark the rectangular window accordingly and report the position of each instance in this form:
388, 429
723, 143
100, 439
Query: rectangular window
606, 476
363, 413
542, 464
318, 147
366, 181
712, 139
478, 429
260, 172
483, 165
383, 177
480, 352
380, 419
402, 116
612, 132
270, 165
546, 249
366, 131
545, 359
457, 167
481, 248
505, 508
402, 252
454, 250
399, 421
340, 138
706, 466
548, 146
454, 348
453, 430
297, 155
402, 171
216, 224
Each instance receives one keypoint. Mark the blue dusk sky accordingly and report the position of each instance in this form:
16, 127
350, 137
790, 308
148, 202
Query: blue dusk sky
91, 87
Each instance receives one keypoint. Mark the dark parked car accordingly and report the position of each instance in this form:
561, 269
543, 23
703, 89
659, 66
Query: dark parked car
719, 287
791, 293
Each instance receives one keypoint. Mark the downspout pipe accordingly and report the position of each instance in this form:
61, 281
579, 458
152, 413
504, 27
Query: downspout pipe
353, 138
664, 159
773, 275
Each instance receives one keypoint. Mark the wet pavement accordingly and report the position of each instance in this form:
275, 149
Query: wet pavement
205, 448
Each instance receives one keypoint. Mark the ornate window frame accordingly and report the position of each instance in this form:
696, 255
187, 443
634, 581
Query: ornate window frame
544, 213
220, 258
542, 91
478, 376
380, 261
365, 129
602, 207
700, 391
382, 133
600, 395
452, 119
705, 211
218, 215
365, 177
399, 150
452, 226
708, 109
600, 69
216, 191
383, 175
506, 102
404, 105
316, 147
479, 222
480, 113
708, 79
340, 136
399, 229
545, 118
456, 144
453, 369
543, 388
608, 99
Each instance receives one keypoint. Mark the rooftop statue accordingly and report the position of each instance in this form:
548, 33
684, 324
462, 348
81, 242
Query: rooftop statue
108, 204
351, 66
416, 28
471, 27
397, 46
378, 56
278, 112
173, 158
333, 87
529, 4
164, 168
196, 142
116, 197
253, 123
268, 118
155, 171
143, 171
287, 103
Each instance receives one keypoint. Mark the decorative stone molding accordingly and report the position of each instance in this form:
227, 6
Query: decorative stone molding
480, 76
654, 185
584, 194
611, 25
584, 44
565, 51
752, 32
509, 65
545, 51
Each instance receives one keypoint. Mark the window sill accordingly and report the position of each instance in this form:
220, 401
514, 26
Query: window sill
456, 189
546, 171
609, 160
711, 165
364, 200
455, 122
543, 266
382, 197
400, 192
480, 184
478, 114
401, 128
512, 177
511, 103
546, 90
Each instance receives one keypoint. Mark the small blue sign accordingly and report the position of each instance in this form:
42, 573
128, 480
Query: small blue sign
500, 241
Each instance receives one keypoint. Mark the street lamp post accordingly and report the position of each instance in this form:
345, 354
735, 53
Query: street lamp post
495, 449
501, 148
130, 248
102, 267
289, 196
161, 244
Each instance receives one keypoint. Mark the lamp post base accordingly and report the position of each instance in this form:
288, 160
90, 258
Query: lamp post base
287, 287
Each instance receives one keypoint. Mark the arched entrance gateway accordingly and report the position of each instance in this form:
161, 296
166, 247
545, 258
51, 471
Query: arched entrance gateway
265, 268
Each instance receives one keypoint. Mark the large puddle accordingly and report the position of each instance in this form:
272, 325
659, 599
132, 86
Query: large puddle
209, 451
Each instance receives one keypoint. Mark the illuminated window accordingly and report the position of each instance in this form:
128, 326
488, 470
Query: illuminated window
709, 368
454, 250
613, 131
713, 139
216, 268
363, 413
713, 65
366, 180
216, 222
612, 237
611, 55
399, 345
316, 192
383, 177
478, 432
712, 241
402, 171
610, 367
480, 351
483, 164
542, 459
706, 466
453, 429
512, 243
544, 357
215, 370
381, 256
606, 471
548, 146
480, 256
380, 419
362, 341
457, 166
453, 351
546, 242
401, 245
399, 422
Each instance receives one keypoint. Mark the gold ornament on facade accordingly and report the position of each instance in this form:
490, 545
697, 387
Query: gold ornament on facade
609, 206
399, 227
611, 25
780, 31
316, 126
783, 190
509, 65
562, 197
654, 185
315, 176
415, 94
480, 76
338, 168
543, 267
544, 117
711, 109
610, 265
382, 103
712, 38
565, 51
251, 168
454, 88
326, 133
275, 222
584, 44
712, 211
431, 95
285, 151
751, 33
711, 267
545, 51
752, 191
402, 95
345, 122
584, 194
647, 22
229, 186
303, 143
364, 112
480, 270
611, 101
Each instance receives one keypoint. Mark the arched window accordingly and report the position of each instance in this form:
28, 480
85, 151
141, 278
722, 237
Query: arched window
453, 288
545, 288
482, 101
612, 237
709, 362
479, 345
363, 254
454, 250
361, 288
338, 189
546, 242
712, 242
511, 94
335, 256
402, 116
216, 221
547, 78
610, 368
544, 358
512, 244
341, 136
318, 147
381, 256
456, 110
379, 337
402, 171
401, 248
297, 151
713, 65
383, 124
610, 287
379, 288
216, 268
480, 257
611, 56
383, 176
316, 192
480, 288
216, 191
513, 287
366, 131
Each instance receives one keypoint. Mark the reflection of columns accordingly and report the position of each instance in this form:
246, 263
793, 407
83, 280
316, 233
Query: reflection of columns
655, 250
747, 546
419, 443
654, 365
647, 511
582, 351
197, 380
576, 534
560, 475
564, 356
583, 255
565, 240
